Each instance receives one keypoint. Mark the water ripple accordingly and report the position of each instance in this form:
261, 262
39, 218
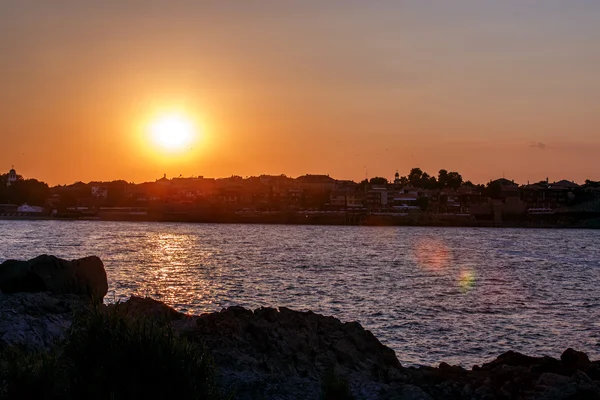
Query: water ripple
432, 294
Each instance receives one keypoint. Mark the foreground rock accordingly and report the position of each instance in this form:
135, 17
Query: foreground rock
84, 277
39, 297
280, 353
284, 354
514, 376
35, 321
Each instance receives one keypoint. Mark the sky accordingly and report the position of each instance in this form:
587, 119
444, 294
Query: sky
347, 88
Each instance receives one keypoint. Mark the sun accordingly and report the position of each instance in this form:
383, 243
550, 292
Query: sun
172, 131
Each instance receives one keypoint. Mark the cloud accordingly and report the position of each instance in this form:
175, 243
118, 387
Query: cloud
538, 145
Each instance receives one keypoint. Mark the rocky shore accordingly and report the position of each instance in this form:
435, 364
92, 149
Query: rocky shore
279, 353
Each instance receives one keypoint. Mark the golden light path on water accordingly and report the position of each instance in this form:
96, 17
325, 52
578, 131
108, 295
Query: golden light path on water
170, 263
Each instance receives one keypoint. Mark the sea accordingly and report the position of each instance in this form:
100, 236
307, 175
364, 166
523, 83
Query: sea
457, 295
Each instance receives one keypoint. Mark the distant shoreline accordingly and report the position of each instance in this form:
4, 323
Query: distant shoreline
299, 220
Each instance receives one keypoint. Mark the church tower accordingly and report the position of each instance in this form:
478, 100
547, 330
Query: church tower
12, 177
397, 178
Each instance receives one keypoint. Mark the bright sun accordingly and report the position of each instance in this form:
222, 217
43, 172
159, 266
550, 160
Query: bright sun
172, 132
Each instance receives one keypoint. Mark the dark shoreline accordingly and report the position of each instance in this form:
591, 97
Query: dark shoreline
392, 222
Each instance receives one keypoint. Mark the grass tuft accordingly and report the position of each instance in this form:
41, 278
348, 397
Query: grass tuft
334, 387
110, 356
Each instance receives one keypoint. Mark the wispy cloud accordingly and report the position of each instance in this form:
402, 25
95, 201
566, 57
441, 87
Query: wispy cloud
538, 145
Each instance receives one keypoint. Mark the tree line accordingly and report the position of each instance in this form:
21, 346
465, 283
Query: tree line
30, 191
422, 180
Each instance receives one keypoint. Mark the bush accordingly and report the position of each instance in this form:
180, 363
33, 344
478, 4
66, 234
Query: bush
335, 387
30, 376
109, 356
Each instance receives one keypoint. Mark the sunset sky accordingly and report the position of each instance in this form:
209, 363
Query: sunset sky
483, 87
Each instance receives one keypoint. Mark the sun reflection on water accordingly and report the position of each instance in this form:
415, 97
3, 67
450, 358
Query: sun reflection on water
169, 277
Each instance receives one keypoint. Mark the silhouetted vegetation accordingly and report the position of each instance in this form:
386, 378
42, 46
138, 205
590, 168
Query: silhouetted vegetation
423, 203
593, 184
107, 356
378, 181
335, 387
493, 189
420, 179
30, 191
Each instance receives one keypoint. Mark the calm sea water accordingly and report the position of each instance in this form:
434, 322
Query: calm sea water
458, 295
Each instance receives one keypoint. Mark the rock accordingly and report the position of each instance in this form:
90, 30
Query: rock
36, 321
549, 379
273, 351
512, 359
452, 369
574, 360
559, 387
405, 392
85, 277
146, 307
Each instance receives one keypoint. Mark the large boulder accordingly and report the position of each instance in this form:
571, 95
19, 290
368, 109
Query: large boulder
575, 360
285, 354
145, 307
85, 277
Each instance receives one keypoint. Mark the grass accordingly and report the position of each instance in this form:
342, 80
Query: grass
334, 387
109, 356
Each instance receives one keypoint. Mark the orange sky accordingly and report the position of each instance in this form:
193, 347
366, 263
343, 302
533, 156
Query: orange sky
338, 87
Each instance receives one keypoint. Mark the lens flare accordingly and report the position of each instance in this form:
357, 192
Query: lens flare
466, 280
432, 254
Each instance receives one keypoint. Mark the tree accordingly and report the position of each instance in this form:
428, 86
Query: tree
493, 189
442, 178
423, 202
363, 184
454, 180
478, 188
30, 191
414, 177
428, 182
378, 181
403, 180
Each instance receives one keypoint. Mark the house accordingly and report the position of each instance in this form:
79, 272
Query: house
316, 182
346, 199
550, 195
100, 192
376, 198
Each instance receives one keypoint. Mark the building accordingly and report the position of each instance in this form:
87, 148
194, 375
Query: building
397, 179
12, 177
316, 182
346, 199
550, 195
377, 198
100, 192
30, 210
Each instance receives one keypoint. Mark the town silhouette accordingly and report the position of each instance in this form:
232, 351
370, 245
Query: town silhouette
414, 199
